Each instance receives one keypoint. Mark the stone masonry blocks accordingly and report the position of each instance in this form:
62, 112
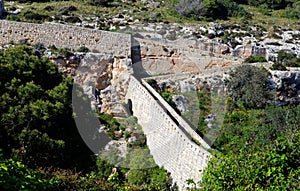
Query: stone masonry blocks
66, 36
169, 145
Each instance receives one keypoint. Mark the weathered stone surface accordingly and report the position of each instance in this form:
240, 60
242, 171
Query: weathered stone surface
118, 147
111, 102
181, 102
168, 143
94, 72
66, 36
242, 51
287, 85
121, 72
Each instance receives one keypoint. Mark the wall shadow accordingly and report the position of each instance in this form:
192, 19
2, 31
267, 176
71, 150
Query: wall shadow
137, 64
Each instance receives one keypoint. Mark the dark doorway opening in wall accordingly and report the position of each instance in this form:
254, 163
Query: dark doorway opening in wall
130, 106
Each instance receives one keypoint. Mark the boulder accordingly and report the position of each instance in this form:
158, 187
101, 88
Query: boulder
181, 102
211, 33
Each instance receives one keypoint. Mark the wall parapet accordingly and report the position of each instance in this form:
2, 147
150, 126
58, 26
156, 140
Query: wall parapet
186, 127
168, 142
66, 36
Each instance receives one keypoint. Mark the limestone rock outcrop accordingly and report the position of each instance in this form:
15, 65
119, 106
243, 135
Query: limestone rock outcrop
181, 102
287, 85
110, 76
94, 71
121, 72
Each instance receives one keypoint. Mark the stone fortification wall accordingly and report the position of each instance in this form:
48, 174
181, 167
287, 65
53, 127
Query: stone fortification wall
182, 124
170, 146
66, 36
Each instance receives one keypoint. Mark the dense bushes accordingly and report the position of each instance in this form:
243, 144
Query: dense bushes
293, 10
272, 4
249, 85
205, 9
286, 59
258, 146
276, 168
222, 9
14, 175
41, 146
35, 111
260, 151
253, 59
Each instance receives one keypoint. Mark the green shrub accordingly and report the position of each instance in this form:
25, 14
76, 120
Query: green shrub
65, 52
275, 168
111, 123
264, 9
44, 112
293, 11
249, 85
14, 175
83, 49
168, 97
278, 66
204, 9
288, 59
34, 16
253, 59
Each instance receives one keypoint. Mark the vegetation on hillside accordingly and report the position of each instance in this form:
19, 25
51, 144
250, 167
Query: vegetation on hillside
286, 59
40, 147
182, 11
209, 9
249, 86
258, 146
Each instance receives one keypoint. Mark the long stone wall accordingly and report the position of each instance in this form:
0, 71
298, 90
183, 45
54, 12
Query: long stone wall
168, 136
169, 144
66, 36
181, 123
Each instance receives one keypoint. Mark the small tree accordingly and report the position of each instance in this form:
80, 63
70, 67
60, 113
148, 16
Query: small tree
250, 86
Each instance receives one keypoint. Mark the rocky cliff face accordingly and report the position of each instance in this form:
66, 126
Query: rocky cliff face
94, 71
287, 85
109, 76
113, 96
174, 48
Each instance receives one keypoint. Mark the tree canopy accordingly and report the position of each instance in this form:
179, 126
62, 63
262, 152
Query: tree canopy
250, 86
36, 116
40, 147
